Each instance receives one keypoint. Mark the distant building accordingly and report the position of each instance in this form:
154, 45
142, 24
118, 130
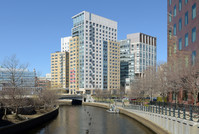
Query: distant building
94, 33
26, 80
48, 76
60, 70
137, 53
65, 44
43, 82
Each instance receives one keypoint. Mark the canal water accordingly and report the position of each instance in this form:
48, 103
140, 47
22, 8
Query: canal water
90, 120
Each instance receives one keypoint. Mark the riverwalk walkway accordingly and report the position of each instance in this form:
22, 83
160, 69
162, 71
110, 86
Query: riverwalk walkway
170, 120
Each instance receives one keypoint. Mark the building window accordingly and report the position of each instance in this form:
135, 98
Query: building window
170, 51
174, 50
180, 24
186, 18
193, 57
174, 11
180, 5
170, 16
180, 44
170, 34
170, 2
194, 11
186, 1
174, 29
186, 40
194, 34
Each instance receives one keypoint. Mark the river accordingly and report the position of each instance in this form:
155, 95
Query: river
90, 120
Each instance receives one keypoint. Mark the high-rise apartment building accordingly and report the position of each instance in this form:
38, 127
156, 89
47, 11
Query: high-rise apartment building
74, 65
182, 30
137, 53
65, 44
92, 32
60, 70
111, 65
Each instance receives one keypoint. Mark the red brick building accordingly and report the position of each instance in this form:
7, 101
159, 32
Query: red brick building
182, 36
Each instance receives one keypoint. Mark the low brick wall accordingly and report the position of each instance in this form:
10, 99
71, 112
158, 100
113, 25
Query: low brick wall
29, 124
150, 125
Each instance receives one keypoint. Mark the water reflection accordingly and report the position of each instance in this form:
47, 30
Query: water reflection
90, 120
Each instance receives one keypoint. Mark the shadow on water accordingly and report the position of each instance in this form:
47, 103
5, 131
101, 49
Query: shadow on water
90, 120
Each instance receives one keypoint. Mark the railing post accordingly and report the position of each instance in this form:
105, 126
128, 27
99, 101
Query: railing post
169, 111
191, 112
156, 110
178, 112
174, 111
184, 115
153, 109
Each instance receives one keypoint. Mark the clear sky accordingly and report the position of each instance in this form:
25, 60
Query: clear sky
32, 29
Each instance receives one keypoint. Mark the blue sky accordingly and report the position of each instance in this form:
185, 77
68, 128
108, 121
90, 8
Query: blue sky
32, 29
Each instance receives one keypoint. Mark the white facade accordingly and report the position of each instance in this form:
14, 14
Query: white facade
92, 31
48, 76
144, 49
65, 44
137, 53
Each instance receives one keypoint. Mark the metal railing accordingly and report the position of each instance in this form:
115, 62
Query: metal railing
181, 111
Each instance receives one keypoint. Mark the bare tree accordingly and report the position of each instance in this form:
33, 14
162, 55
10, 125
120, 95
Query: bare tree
14, 71
48, 98
189, 77
12, 95
137, 90
162, 81
150, 81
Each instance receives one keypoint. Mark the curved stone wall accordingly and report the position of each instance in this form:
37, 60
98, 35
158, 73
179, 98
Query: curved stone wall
29, 124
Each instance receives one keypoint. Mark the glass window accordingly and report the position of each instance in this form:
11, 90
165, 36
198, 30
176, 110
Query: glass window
194, 34
174, 11
170, 16
180, 5
170, 2
174, 29
186, 1
180, 24
170, 51
194, 11
193, 57
170, 33
180, 44
186, 40
186, 18
174, 50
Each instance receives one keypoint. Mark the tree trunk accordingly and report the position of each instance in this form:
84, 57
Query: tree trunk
195, 98
5, 113
16, 111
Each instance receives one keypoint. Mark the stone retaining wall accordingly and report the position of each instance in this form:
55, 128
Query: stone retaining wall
29, 124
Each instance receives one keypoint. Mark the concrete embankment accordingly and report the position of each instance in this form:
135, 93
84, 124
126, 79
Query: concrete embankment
150, 125
29, 124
